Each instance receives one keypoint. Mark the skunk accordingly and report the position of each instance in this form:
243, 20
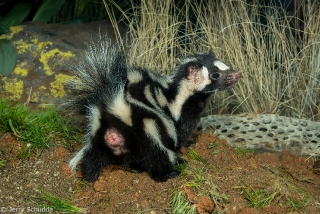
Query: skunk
136, 117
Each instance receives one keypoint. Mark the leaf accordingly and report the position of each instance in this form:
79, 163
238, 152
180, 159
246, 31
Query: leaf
3, 29
17, 15
8, 57
47, 9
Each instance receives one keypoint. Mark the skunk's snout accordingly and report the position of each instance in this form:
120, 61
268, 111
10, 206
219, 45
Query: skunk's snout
231, 79
236, 75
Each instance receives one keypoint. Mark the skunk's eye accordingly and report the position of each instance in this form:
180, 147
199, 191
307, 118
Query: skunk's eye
215, 76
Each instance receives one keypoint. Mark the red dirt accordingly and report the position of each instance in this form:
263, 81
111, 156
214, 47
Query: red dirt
217, 186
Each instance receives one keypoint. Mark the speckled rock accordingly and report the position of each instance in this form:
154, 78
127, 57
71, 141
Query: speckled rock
43, 50
266, 131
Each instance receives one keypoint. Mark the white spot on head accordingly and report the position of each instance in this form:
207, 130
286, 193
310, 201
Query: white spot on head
221, 65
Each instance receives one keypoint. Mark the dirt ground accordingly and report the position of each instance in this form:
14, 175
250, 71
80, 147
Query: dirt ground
225, 180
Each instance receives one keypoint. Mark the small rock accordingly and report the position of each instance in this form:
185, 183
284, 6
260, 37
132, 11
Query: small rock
205, 205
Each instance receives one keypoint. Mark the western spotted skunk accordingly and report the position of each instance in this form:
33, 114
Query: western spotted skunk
137, 117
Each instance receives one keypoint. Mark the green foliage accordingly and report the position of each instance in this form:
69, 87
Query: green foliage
195, 156
257, 198
48, 9
293, 202
2, 163
3, 28
48, 200
38, 128
181, 205
243, 152
8, 57
17, 15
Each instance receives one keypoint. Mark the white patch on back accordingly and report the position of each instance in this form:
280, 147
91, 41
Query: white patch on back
134, 77
121, 109
167, 122
94, 119
152, 131
162, 100
221, 65
184, 92
148, 95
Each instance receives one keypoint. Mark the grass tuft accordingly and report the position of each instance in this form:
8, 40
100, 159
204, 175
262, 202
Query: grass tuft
195, 156
257, 198
47, 200
300, 202
2, 163
39, 129
180, 204
243, 152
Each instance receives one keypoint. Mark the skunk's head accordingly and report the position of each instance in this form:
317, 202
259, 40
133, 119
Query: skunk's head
207, 74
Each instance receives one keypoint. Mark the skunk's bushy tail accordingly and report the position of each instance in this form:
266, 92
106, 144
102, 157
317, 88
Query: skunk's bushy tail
101, 72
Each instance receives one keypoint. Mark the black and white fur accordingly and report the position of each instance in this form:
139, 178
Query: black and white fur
137, 117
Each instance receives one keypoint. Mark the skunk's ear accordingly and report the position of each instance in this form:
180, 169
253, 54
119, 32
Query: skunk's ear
211, 54
193, 72
198, 77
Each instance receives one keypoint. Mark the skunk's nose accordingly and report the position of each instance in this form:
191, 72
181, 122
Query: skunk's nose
237, 75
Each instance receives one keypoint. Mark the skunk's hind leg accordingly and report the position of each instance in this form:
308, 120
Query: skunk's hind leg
165, 168
93, 160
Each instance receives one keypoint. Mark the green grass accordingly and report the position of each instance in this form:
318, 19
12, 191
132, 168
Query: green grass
243, 152
257, 198
195, 156
294, 203
47, 200
180, 204
38, 128
280, 193
202, 183
2, 163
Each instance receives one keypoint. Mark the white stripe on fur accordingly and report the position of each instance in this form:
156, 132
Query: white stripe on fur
221, 65
152, 131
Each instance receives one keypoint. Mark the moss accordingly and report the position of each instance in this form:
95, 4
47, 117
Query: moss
57, 87
34, 47
47, 56
21, 71
14, 87
13, 30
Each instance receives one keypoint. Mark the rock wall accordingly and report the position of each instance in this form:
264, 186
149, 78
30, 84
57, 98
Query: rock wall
43, 50
266, 131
